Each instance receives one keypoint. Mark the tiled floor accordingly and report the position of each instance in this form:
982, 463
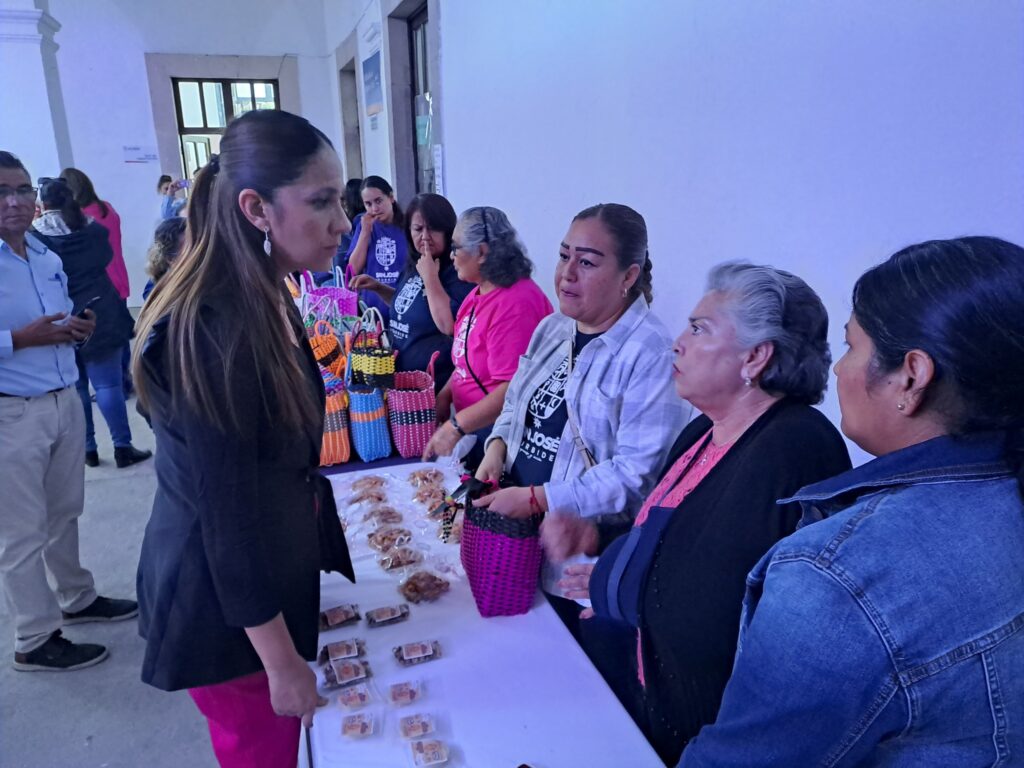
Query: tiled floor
103, 716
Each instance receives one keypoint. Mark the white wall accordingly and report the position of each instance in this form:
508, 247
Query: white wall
818, 137
103, 74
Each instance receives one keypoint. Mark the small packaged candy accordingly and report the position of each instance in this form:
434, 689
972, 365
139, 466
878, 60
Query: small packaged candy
416, 726
357, 726
355, 696
429, 752
339, 616
338, 674
389, 614
343, 649
417, 653
399, 557
401, 694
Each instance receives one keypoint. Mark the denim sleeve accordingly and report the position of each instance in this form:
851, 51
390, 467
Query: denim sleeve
813, 682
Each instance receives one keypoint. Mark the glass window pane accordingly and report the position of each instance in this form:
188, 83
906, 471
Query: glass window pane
241, 98
213, 95
264, 95
191, 106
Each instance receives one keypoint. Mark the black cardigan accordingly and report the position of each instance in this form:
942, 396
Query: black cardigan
232, 539
690, 609
84, 255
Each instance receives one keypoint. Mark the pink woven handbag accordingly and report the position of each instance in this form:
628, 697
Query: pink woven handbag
502, 558
411, 410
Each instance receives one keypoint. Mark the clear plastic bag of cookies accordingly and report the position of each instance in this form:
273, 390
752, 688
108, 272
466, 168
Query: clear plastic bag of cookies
422, 477
388, 537
399, 557
423, 586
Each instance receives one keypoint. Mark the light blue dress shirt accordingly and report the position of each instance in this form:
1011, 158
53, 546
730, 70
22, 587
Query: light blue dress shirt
28, 290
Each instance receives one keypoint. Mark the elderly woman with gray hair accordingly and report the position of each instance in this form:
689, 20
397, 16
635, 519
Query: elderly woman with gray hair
492, 328
667, 593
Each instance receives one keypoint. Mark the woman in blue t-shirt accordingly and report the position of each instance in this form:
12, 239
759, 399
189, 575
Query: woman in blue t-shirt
378, 248
426, 298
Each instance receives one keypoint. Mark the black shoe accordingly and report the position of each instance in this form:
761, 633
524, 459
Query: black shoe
92, 458
60, 655
103, 609
125, 457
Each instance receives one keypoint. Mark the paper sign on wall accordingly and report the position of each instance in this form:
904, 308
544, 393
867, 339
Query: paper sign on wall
140, 154
438, 170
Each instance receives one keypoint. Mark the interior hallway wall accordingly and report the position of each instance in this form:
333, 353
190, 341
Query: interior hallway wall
106, 94
817, 137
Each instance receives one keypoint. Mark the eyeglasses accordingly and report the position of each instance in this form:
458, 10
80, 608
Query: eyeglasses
24, 192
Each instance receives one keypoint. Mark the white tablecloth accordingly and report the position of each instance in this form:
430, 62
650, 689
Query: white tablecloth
507, 691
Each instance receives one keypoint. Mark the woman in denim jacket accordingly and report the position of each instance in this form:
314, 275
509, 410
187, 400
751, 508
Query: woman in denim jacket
892, 631
597, 370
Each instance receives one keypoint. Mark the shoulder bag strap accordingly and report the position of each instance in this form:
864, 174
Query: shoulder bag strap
465, 348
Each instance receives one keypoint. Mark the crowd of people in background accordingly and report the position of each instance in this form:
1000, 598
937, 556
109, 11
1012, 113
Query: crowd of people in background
747, 595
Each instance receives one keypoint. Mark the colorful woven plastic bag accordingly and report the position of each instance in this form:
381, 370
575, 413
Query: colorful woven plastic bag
327, 348
336, 289
336, 448
411, 410
372, 361
369, 422
368, 417
502, 558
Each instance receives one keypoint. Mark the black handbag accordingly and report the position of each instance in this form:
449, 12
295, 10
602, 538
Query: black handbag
334, 554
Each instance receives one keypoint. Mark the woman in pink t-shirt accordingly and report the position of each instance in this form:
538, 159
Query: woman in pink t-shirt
492, 328
104, 213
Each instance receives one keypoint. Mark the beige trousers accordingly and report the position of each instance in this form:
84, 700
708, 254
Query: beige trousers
42, 492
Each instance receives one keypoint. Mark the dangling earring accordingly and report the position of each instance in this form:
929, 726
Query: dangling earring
747, 381
266, 241
625, 292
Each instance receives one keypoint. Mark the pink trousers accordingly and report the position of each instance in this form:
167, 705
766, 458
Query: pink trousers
244, 730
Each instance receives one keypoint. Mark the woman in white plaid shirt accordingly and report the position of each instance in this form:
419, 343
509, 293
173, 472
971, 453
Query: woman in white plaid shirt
591, 412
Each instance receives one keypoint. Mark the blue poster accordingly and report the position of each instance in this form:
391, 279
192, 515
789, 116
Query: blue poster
373, 93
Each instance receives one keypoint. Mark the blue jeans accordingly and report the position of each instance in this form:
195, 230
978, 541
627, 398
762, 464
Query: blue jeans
106, 377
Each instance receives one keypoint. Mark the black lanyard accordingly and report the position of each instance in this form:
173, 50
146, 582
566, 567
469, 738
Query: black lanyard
465, 348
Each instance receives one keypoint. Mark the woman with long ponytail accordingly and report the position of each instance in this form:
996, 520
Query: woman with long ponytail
84, 249
228, 578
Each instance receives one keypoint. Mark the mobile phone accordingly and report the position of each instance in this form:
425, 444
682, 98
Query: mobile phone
88, 304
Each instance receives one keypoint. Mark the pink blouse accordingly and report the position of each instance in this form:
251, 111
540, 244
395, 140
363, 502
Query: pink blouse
671, 491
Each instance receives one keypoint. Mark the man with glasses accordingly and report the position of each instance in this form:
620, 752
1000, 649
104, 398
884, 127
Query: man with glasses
42, 440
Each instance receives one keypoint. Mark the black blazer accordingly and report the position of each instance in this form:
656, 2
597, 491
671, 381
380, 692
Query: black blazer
690, 608
232, 540
84, 255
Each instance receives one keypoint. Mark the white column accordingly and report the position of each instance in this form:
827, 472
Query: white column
33, 122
